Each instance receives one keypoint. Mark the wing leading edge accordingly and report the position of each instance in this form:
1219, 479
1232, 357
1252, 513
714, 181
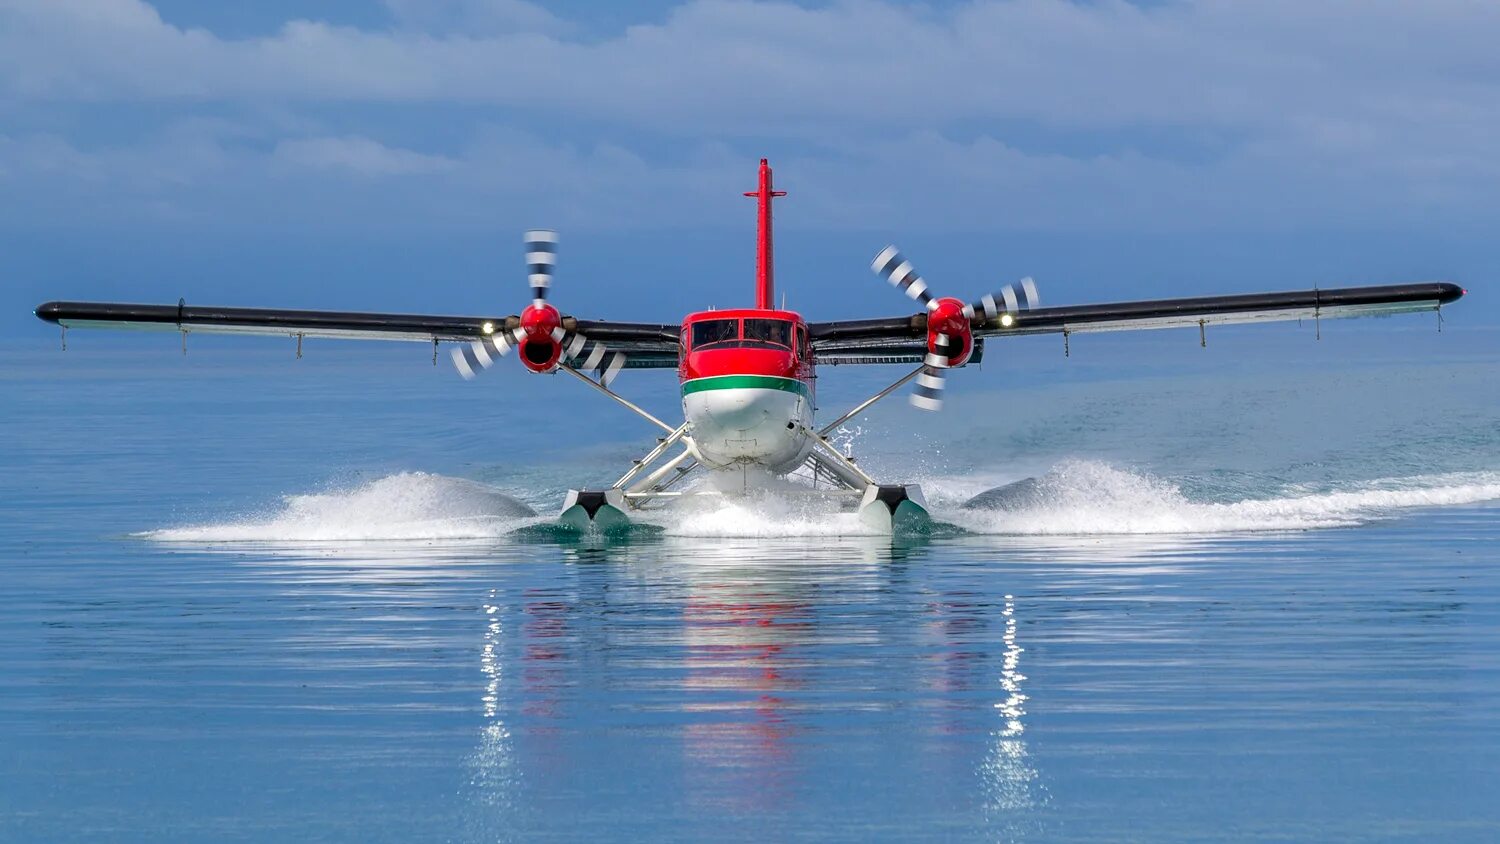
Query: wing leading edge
648, 345
851, 338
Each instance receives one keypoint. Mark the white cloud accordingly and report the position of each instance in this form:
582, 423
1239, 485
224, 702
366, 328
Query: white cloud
1329, 110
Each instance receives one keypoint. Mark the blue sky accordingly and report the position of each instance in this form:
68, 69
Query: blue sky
386, 155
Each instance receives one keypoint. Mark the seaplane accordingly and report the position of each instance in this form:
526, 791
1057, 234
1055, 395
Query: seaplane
747, 374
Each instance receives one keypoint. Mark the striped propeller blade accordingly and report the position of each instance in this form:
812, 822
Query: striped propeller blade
1010, 300
541, 257
593, 357
893, 267
480, 355
928, 394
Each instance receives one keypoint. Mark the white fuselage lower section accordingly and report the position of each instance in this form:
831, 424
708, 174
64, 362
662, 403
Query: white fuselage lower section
735, 422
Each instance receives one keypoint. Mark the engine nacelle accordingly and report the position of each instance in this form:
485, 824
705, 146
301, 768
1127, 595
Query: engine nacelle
540, 344
947, 317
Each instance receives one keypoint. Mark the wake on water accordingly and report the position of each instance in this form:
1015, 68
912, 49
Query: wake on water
1074, 498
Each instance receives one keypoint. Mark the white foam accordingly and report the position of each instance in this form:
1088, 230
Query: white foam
405, 506
1074, 498
1087, 498
767, 515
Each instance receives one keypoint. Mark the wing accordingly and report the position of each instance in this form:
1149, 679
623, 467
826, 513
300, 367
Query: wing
647, 345
903, 339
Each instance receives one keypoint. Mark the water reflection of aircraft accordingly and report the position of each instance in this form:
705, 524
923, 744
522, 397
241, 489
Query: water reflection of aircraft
747, 653
733, 666
746, 634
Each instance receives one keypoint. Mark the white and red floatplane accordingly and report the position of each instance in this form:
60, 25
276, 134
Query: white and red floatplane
747, 375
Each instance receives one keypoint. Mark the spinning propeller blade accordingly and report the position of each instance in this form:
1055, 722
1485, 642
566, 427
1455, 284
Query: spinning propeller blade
893, 267
928, 394
595, 357
541, 256
482, 354
1008, 301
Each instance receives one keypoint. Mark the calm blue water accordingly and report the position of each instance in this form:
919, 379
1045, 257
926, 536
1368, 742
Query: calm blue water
252, 598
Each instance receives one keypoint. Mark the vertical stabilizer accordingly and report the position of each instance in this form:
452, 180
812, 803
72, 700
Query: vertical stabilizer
765, 283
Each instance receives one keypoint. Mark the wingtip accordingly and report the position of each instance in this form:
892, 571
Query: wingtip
1450, 292
49, 311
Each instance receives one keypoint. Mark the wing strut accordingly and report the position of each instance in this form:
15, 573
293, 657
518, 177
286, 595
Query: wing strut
865, 405
619, 398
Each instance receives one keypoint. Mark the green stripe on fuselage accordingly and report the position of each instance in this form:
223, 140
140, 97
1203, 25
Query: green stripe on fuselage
744, 382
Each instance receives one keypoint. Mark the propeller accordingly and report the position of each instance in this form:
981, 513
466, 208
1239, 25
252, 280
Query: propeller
950, 322
546, 344
481, 354
894, 267
928, 394
595, 357
541, 257
1011, 302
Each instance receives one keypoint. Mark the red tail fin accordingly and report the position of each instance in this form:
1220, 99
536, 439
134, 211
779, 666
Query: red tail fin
765, 284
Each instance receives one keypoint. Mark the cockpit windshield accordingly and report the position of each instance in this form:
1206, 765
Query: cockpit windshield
711, 331
774, 332
758, 333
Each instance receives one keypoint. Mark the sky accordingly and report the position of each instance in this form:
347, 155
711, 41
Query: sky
386, 154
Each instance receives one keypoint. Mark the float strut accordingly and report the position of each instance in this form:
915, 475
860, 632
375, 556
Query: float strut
1202, 337
299, 347
619, 398
65, 338
662, 447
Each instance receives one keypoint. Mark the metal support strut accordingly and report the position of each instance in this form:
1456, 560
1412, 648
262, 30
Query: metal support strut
619, 398
650, 481
838, 465
652, 456
865, 405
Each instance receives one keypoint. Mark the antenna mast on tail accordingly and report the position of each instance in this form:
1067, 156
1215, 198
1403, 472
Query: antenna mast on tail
765, 285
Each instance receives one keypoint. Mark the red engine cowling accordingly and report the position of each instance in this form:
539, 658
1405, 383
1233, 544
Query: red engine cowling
947, 317
541, 343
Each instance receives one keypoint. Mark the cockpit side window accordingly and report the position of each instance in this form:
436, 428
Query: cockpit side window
710, 331
775, 332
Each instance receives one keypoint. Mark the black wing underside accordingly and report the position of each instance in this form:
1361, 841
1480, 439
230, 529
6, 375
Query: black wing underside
869, 341
903, 339
645, 345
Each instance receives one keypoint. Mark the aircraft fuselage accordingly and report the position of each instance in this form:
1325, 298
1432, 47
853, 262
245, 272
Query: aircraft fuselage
747, 388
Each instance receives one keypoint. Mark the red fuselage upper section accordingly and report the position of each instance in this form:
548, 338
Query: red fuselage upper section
748, 341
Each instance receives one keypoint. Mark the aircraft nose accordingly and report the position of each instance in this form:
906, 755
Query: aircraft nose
740, 409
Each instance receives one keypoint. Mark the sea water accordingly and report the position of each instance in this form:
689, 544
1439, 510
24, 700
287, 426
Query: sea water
1253, 594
